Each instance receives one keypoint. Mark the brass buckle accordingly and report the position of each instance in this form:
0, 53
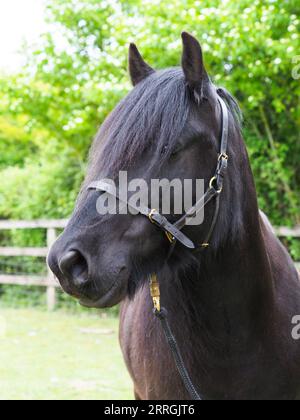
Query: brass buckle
155, 292
150, 215
170, 237
223, 156
214, 178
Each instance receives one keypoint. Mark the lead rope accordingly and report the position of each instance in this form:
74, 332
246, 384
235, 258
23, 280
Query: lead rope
161, 314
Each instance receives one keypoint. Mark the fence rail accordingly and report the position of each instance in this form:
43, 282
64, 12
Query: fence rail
27, 280
51, 226
48, 280
23, 252
285, 232
33, 224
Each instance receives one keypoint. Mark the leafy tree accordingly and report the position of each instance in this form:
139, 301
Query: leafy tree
50, 112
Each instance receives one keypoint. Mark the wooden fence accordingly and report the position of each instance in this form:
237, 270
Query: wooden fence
48, 281
51, 226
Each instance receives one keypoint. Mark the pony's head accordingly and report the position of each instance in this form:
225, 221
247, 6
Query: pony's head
168, 127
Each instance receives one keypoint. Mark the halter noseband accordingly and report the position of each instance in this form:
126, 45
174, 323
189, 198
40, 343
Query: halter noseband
173, 231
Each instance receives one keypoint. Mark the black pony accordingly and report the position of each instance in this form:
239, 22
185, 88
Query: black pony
230, 306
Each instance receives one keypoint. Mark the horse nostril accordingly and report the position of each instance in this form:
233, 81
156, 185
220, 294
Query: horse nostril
74, 266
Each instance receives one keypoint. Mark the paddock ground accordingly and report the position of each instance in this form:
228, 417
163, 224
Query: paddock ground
60, 356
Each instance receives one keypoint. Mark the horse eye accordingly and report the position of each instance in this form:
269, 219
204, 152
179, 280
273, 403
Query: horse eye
176, 151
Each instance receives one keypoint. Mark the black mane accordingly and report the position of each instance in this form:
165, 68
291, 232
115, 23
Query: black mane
232, 105
152, 115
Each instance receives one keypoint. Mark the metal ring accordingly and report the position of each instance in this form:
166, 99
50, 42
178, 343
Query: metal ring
214, 178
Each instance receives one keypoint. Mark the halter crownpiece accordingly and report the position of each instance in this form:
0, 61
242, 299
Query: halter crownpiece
173, 231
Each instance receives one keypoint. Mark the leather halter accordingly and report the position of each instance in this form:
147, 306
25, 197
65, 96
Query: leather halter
173, 231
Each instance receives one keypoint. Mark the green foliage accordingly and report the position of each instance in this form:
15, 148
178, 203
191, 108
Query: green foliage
13, 296
22, 297
46, 188
50, 111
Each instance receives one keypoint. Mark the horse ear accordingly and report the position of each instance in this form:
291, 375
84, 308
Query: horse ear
138, 68
192, 64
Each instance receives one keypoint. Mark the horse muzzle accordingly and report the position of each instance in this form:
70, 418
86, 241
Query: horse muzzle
76, 278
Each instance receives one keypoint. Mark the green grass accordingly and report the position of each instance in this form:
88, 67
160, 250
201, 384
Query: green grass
60, 356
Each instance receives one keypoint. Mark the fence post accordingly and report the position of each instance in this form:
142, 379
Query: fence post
51, 292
